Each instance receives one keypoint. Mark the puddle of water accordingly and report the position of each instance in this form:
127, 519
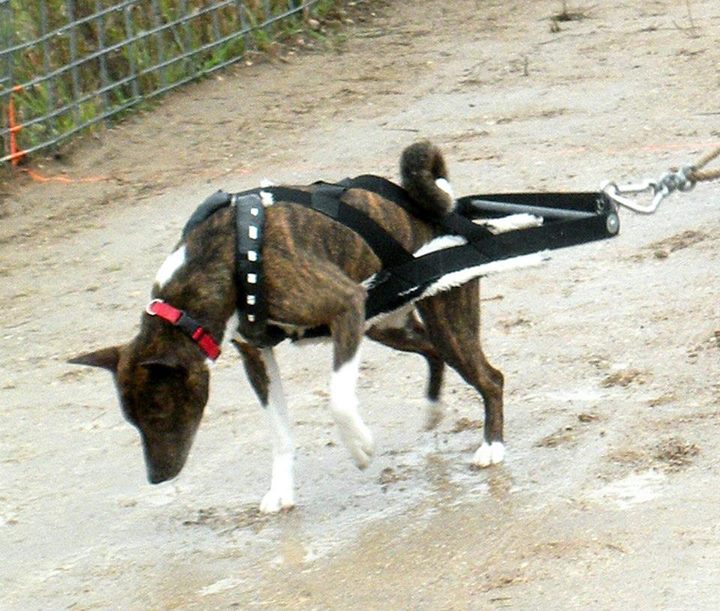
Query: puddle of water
632, 490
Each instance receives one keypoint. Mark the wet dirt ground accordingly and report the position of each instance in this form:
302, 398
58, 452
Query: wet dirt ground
610, 494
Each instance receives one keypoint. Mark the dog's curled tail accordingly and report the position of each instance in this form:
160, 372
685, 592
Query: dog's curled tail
425, 178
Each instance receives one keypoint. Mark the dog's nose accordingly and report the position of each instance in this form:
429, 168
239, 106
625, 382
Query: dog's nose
158, 475
157, 478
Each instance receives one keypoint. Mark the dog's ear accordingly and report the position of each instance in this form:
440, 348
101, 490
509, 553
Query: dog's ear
106, 358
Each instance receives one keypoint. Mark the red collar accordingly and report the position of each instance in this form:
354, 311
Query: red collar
178, 318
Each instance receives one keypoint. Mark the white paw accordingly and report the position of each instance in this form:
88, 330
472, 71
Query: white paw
489, 454
433, 415
275, 500
359, 441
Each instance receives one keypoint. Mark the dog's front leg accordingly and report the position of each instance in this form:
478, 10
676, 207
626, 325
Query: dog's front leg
264, 376
347, 331
281, 494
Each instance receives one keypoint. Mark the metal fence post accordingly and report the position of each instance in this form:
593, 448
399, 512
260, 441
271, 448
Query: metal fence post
185, 41
70, 6
159, 41
268, 15
6, 39
243, 24
51, 122
104, 79
216, 23
130, 51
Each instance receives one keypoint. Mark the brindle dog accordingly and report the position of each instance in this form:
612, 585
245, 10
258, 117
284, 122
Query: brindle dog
314, 271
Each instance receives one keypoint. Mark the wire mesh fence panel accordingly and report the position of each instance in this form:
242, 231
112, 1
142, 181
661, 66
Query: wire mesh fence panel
66, 65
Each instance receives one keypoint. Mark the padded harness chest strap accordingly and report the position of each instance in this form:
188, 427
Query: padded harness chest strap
251, 303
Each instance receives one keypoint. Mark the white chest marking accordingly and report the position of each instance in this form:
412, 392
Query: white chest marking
167, 270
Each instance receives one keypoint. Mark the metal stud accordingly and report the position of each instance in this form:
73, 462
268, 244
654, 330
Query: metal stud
253, 232
251, 300
252, 255
252, 278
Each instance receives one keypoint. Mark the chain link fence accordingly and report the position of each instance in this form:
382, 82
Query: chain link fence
66, 65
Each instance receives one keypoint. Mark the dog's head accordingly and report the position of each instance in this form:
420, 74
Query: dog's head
163, 394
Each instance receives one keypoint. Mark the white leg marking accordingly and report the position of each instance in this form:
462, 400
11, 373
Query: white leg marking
489, 454
434, 413
167, 270
343, 400
281, 494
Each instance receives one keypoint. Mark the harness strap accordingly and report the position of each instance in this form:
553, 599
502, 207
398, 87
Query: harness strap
210, 206
250, 300
454, 223
386, 189
408, 281
326, 198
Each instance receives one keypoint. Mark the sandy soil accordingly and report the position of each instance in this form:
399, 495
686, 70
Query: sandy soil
610, 496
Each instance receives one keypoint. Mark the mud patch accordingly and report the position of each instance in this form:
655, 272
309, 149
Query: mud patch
676, 454
511, 323
569, 433
712, 343
624, 377
563, 436
566, 15
224, 521
662, 249
466, 424
669, 456
390, 476
586, 418
663, 399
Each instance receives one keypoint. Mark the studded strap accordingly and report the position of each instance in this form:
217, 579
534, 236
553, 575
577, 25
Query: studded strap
251, 303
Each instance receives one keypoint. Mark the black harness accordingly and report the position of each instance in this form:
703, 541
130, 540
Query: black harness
569, 219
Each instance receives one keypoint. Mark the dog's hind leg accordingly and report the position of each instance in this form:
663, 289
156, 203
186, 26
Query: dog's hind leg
452, 321
264, 375
406, 333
